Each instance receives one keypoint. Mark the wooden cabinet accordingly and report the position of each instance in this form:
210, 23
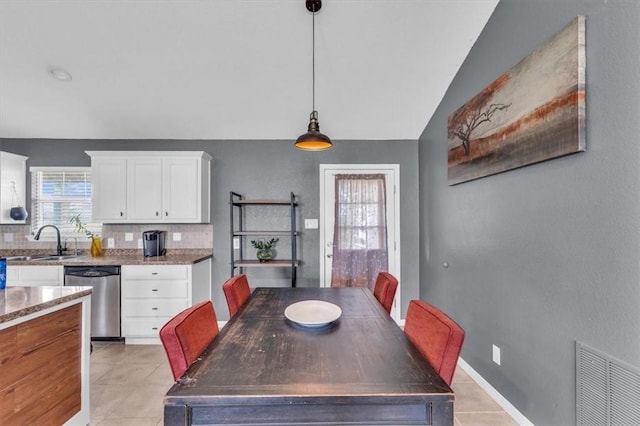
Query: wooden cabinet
29, 276
42, 368
241, 234
153, 294
151, 186
13, 174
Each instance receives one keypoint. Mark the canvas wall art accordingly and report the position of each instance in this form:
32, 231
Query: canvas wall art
531, 113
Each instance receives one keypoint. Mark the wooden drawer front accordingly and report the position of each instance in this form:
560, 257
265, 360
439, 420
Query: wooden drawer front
133, 308
41, 370
155, 290
149, 327
157, 272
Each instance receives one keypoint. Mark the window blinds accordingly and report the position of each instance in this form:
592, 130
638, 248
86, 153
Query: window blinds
57, 194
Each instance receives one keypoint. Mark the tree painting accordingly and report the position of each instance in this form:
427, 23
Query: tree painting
472, 119
533, 112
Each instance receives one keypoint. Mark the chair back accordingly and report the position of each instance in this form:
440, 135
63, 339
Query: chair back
385, 290
236, 290
187, 335
438, 338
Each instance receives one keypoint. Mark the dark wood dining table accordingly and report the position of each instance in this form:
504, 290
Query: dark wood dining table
265, 369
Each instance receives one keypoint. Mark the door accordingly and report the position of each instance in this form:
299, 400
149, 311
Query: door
391, 174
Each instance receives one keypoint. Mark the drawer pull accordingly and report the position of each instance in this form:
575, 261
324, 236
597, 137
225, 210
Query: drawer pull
154, 309
154, 289
154, 328
154, 273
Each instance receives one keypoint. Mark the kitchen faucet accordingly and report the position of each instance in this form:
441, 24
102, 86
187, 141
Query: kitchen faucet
59, 246
75, 240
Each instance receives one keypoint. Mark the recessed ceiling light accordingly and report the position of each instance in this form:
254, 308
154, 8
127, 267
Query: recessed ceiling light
59, 74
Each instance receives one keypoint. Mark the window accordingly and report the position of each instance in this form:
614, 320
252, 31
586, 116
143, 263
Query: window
57, 194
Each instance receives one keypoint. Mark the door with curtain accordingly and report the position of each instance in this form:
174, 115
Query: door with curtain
359, 230
358, 224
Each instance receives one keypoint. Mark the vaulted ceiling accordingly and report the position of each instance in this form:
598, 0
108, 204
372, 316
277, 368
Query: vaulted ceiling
229, 69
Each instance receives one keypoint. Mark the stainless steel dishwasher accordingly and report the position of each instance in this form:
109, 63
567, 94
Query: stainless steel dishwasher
105, 297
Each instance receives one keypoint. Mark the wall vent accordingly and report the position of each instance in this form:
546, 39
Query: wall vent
607, 389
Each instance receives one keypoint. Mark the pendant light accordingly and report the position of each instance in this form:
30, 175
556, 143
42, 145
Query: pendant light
313, 140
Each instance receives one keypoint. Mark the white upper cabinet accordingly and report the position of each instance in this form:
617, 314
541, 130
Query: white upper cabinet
109, 180
151, 186
13, 174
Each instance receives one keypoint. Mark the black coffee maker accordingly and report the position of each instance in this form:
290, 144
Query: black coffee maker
153, 243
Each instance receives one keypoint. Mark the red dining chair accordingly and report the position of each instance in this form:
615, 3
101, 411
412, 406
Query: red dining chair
438, 338
385, 290
236, 290
187, 335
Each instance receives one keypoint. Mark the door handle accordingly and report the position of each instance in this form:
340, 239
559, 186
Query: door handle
329, 255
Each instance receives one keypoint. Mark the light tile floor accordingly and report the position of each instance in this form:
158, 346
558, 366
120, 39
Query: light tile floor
128, 382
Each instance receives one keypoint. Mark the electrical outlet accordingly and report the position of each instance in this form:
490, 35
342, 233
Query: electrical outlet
236, 243
128, 236
496, 354
8, 237
139, 243
311, 224
111, 243
177, 236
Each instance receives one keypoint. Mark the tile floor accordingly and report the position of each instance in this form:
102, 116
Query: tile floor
128, 382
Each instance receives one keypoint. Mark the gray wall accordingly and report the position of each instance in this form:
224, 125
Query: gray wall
550, 253
265, 169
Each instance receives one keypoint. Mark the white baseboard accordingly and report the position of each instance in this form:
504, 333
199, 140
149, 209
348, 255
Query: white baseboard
494, 394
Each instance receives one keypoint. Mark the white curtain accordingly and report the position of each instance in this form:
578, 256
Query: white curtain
360, 232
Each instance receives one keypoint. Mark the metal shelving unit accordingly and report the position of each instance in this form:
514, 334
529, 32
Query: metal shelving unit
237, 206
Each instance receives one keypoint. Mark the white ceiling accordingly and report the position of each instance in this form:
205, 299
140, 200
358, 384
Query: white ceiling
229, 69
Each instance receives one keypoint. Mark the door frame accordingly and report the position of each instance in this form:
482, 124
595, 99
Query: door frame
394, 249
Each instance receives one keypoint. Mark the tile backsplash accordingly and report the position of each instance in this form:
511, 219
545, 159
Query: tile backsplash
191, 236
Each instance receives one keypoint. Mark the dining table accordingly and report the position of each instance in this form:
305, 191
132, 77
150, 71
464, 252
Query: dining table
352, 366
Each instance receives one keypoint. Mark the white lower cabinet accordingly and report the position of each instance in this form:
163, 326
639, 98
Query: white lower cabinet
31, 276
153, 294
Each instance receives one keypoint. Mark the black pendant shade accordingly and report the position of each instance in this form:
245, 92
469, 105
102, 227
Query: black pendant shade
313, 140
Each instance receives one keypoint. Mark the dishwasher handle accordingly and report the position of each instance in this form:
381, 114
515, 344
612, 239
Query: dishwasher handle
92, 272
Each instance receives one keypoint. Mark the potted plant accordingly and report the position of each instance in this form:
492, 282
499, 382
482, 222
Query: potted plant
96, 243
264, 247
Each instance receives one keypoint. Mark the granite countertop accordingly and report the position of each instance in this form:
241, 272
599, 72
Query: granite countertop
16, 302
118, 257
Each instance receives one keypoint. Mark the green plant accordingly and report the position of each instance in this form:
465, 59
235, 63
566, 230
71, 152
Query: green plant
79, 226
264, 245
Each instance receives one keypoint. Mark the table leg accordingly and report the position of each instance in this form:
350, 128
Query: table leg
441, 413
176, 415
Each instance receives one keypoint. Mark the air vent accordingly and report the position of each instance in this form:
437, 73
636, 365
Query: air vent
607, 389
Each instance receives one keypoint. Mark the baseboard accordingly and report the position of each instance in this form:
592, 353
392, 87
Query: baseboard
494, 394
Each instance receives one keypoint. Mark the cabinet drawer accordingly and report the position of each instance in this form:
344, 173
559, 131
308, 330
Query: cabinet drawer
156, 272
134, 308
154, 290
148, 327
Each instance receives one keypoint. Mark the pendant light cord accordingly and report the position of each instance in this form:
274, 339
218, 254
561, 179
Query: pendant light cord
313, 61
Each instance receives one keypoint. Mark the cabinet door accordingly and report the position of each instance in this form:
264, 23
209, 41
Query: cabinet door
144, 196
181, 190
13, 172
109, 199
45, 275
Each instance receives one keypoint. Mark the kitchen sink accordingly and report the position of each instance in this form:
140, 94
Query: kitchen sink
49, 257
55, 257
23, 258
